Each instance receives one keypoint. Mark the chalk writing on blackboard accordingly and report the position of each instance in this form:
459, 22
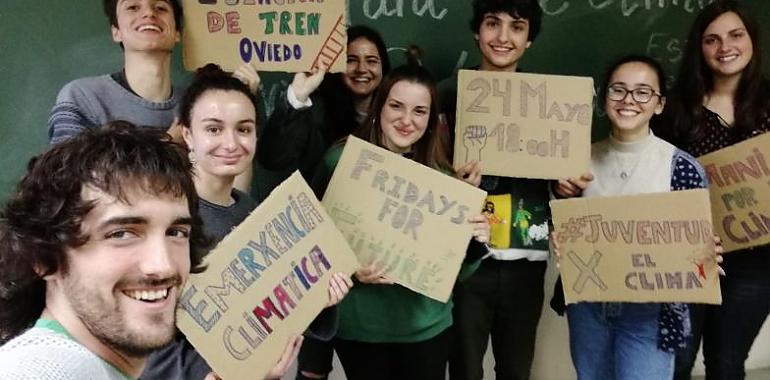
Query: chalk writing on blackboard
626, 7
374, 9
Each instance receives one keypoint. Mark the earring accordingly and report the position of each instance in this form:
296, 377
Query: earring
191, 157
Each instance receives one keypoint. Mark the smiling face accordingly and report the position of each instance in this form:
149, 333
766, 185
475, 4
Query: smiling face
726, 45
630, 119
222, 134
123, 284
364, 68
404, 116
502, 41
145, 25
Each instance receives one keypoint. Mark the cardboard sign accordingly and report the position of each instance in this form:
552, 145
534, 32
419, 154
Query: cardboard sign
266, 281
640, 248
739, 182
402, 215
291, 36
524, 125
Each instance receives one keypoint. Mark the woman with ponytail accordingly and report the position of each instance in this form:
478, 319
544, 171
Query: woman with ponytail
219, 126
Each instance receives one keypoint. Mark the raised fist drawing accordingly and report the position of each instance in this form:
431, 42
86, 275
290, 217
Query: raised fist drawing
474, 141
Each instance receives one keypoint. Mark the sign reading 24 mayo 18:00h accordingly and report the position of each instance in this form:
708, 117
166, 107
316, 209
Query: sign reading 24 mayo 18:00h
271, 35
524, 125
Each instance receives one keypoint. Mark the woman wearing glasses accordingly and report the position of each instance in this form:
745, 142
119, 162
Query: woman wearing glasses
722, 98
630, 340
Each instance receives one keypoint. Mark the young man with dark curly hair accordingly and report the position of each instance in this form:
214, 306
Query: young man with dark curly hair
95, 246
503, 299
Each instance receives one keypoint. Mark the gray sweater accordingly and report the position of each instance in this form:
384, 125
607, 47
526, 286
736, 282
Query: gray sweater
92, 102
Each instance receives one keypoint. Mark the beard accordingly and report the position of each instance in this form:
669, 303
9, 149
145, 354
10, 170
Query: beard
107, 321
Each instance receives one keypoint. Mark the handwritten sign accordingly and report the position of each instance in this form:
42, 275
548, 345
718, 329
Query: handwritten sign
641, 248
291, 36
407, 217
265, 282
739, 181
524, 125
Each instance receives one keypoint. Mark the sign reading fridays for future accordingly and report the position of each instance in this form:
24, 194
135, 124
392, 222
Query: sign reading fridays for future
739, 182
524, 125
402, 215
640, 248
290, 36
266, 281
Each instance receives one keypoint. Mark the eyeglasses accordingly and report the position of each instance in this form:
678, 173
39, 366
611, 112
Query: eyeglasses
640, 95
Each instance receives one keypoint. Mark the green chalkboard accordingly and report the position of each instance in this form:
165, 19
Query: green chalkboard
45, 44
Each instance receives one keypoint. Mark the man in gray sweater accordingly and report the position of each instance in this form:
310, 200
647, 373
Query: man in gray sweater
141, 92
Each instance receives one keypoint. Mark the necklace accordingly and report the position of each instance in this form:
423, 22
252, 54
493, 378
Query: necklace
628, 167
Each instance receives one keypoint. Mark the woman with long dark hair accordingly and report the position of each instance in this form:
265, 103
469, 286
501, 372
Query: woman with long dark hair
219, 126
320, 109
722, 98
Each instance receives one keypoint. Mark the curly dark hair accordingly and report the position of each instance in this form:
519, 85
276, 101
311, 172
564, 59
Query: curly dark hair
524, 9
43, 217
111, 11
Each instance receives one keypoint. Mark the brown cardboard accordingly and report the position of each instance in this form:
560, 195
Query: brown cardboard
240, 322
290, 36
739, 182
524, 125
406, 216
640, 248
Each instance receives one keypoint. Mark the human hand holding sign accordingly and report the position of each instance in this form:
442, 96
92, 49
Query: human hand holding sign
373, 274
481, 229
718, 251
555, 247
469, 173
339, 286
175, 131
288, 357
305, 84
573, 187
247, 74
